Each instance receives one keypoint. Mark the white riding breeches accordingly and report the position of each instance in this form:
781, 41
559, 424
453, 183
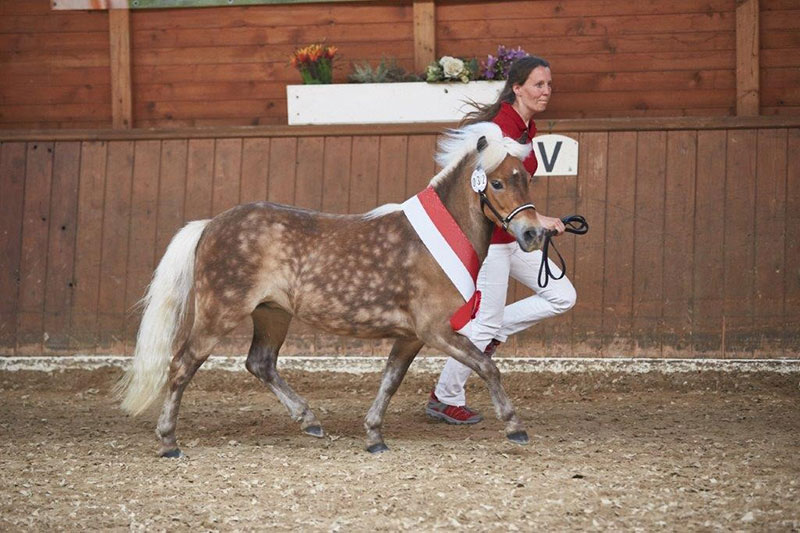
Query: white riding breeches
495, 319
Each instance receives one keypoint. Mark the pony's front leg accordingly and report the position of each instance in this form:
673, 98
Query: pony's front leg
400, 358
462, 349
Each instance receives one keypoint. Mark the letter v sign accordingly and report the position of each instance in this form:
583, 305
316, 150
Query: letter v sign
557, 155
549, 164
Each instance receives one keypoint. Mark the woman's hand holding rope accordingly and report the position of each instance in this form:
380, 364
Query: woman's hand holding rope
572, 224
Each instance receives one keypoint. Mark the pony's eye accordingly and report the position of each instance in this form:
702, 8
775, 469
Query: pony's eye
496, 184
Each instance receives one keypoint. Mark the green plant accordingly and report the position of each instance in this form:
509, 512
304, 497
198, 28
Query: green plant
387, 71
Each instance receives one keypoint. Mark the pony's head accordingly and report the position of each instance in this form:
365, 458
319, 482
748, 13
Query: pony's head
499, 178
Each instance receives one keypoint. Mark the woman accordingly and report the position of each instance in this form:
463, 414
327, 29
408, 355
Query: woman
526, 93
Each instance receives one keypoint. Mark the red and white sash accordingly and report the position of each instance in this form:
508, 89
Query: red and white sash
450, 248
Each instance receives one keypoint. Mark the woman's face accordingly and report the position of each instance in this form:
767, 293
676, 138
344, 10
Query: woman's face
533, 95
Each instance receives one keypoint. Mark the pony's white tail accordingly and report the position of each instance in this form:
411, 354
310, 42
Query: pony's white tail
164, 311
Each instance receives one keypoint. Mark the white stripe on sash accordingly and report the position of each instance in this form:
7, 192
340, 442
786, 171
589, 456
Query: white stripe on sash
438, 247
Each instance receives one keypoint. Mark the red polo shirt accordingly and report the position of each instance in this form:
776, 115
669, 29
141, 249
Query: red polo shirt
513, 126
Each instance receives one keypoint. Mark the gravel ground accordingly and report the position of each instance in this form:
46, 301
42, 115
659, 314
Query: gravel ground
702, 451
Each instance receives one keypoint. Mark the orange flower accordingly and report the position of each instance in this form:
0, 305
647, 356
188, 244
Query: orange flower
315, 62
314, 53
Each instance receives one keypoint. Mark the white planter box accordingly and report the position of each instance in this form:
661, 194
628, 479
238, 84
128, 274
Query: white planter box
381, 103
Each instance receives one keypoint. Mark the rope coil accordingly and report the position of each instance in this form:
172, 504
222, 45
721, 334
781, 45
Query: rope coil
574, 224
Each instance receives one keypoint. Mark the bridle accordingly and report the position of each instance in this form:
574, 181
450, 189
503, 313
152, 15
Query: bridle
504, 221
479, 181
573, 224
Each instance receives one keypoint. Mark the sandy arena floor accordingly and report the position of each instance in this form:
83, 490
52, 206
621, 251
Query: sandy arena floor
684, 452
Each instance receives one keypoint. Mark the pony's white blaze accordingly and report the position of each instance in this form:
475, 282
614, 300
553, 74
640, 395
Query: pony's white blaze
164, 311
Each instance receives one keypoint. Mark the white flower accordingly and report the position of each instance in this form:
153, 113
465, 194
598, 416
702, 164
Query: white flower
451, 66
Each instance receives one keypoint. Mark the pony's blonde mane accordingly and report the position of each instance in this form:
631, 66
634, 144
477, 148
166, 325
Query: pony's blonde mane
458, 144
382, 210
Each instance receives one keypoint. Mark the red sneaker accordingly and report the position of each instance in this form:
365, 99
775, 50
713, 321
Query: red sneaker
492, 347
452, 414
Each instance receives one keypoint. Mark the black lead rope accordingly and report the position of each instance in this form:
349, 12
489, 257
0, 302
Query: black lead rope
574, 224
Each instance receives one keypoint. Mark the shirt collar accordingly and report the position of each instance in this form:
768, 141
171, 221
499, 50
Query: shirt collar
509, 112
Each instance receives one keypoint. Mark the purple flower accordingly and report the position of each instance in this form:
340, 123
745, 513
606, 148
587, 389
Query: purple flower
488, 67
498, 67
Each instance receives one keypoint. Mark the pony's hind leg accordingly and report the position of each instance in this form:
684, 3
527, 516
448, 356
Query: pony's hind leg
400, 358
269, 331
189, 358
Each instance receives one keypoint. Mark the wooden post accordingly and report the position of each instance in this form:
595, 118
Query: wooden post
747, 64
120, 44
424, 34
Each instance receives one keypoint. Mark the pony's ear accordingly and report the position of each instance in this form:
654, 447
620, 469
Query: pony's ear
482, 143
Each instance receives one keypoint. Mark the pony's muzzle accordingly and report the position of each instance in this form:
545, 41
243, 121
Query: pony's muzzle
531, 238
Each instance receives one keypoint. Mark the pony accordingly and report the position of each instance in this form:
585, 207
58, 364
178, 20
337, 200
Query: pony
366, 275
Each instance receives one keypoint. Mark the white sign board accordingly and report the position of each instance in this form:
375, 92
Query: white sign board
557, 155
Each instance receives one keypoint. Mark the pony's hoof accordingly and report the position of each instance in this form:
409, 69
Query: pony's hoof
314, 431
518, 437
173, 454
378, 448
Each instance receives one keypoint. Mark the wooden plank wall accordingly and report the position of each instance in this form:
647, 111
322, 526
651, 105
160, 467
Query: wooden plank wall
229, 65
693, 248
190, 67
54, 67
780, 49
649, 58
